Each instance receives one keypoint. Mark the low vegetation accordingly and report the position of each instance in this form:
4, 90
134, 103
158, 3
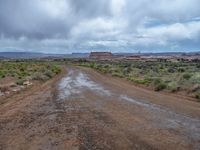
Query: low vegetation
23, 73
181, 77
29, 70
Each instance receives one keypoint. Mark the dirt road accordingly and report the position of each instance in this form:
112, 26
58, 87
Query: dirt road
86, 110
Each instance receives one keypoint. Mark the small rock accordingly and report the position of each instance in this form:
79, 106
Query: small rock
15, 89
22, 87
27, 83
13, 85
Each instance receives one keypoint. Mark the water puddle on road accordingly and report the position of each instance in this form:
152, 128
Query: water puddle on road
76, 83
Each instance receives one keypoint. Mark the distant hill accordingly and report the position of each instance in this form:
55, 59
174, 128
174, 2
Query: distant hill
80, 55
32, 55
21, 55
1, 57
159, 54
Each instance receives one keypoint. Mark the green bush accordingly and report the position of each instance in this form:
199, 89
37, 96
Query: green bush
20, 82
160, 87
181, 70
2, 74
187, 76
139, 81
157, 81
39, 76
126, 70
103, 70
173, 87
195, 78
48, 73
197, 96
56, 69
116, 74
171, 70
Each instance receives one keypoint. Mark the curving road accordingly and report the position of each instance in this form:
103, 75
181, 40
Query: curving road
86, 110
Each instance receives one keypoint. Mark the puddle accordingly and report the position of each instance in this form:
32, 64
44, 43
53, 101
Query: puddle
76, 83
84, 81
139, 102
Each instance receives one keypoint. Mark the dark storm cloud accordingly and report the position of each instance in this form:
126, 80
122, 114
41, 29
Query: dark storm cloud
22, 18
90, 8
48, 18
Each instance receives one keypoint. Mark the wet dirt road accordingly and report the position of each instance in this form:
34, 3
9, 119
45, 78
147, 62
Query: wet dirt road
86, 110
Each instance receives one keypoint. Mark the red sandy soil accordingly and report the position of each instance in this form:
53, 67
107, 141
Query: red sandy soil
87, 110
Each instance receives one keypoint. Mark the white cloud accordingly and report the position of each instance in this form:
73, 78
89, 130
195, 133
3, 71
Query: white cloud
118, 6
54, 8
98, 28
173, 32
108, 24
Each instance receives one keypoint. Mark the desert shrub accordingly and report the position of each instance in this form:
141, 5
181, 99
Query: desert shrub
2, 74
194, 88
106, 66
12, 73
149, 79
173, 87
157, 81
181, 70
39, 76
126, 70
20, 82
186, 76
197, 96
198, 65
155, 69
161, 67
116, 74
139, 81
23, 74
102, 69
56, 69
92, 65
195, 78
48, 73
142, 81
171, 70
160, 86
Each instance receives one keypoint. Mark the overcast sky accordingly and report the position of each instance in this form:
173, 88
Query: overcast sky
65, 26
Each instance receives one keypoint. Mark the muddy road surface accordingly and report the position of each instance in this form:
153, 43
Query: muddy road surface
85, 110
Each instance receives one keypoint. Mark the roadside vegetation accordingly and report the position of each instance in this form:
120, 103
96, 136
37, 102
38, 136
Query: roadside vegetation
17, 75
176, 77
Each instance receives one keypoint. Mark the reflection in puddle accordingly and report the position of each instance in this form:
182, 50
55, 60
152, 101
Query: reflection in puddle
77, 82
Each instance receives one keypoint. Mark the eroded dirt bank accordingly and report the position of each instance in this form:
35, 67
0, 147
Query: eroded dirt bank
86, 110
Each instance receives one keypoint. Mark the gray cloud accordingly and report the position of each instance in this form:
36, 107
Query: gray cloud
117, 25
46, 18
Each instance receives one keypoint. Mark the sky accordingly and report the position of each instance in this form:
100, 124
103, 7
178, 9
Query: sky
67, 26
